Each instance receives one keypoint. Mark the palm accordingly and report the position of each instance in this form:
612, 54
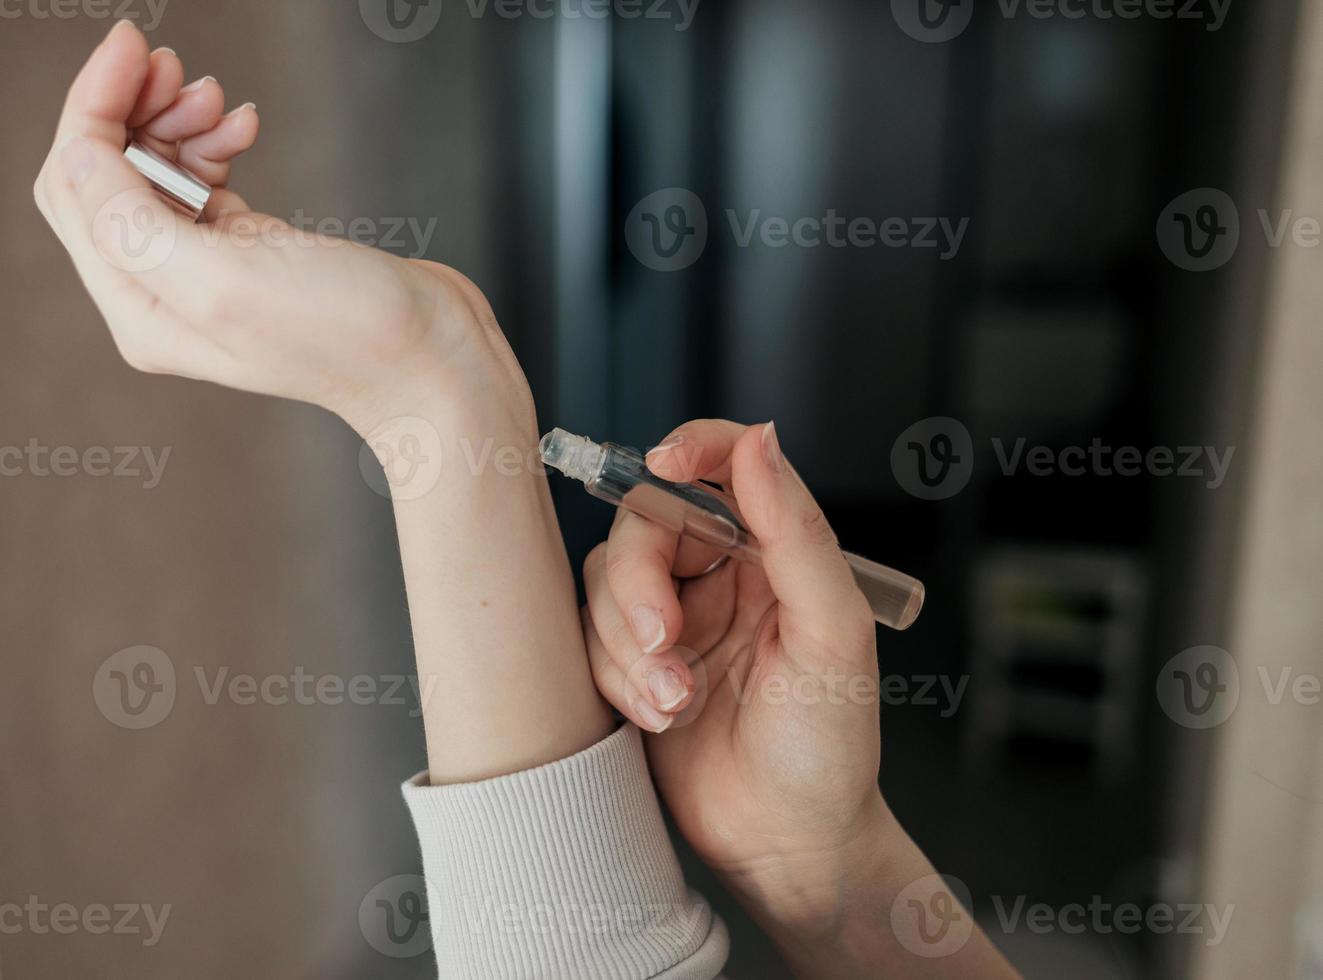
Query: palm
761, 758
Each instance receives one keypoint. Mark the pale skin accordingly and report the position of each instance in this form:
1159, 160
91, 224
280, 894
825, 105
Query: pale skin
781, 800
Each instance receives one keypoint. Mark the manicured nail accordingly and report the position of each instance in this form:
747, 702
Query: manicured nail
665, 446
77, 160
772, 449
194, 86
667, 688
246, 105
649, 629
652, 719
167, 51
119, 25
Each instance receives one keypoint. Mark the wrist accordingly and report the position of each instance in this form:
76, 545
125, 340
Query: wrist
806, 891
829, 897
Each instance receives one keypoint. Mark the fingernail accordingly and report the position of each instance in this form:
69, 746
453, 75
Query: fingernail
194, 86
76, 158
772, 449
653, 720
667, 688
649, 629
666, 445
121, 24
246, 105
168, 51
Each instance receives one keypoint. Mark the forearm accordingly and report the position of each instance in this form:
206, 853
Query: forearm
874, 907
502, 670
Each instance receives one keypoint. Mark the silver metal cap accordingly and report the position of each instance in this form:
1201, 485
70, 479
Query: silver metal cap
183, 189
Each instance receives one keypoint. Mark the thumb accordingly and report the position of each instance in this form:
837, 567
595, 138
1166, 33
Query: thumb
814, 586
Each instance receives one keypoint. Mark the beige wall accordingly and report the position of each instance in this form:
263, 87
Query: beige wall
1264, 851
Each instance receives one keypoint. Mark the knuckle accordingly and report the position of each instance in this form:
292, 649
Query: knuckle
816, 528
137, 356
620, 563
859, 614
619, 637
595, 561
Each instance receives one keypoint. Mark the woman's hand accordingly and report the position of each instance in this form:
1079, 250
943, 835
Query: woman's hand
243, 299
766, 758
763, 686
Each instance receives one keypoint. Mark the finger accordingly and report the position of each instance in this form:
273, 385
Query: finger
165, 75
147, 331
209, 154
813, 584
195, 110
639, 556
697, 450
106, 89
224, 202
653, 686
694, 558
110, 216
615, 687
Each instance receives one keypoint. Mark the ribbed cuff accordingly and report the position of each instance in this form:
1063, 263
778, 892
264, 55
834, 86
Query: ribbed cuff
561, 871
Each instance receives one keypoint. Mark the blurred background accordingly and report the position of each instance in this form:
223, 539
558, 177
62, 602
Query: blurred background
1031, 290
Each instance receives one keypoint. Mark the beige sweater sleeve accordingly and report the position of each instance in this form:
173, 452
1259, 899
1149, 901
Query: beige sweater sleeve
564, 871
